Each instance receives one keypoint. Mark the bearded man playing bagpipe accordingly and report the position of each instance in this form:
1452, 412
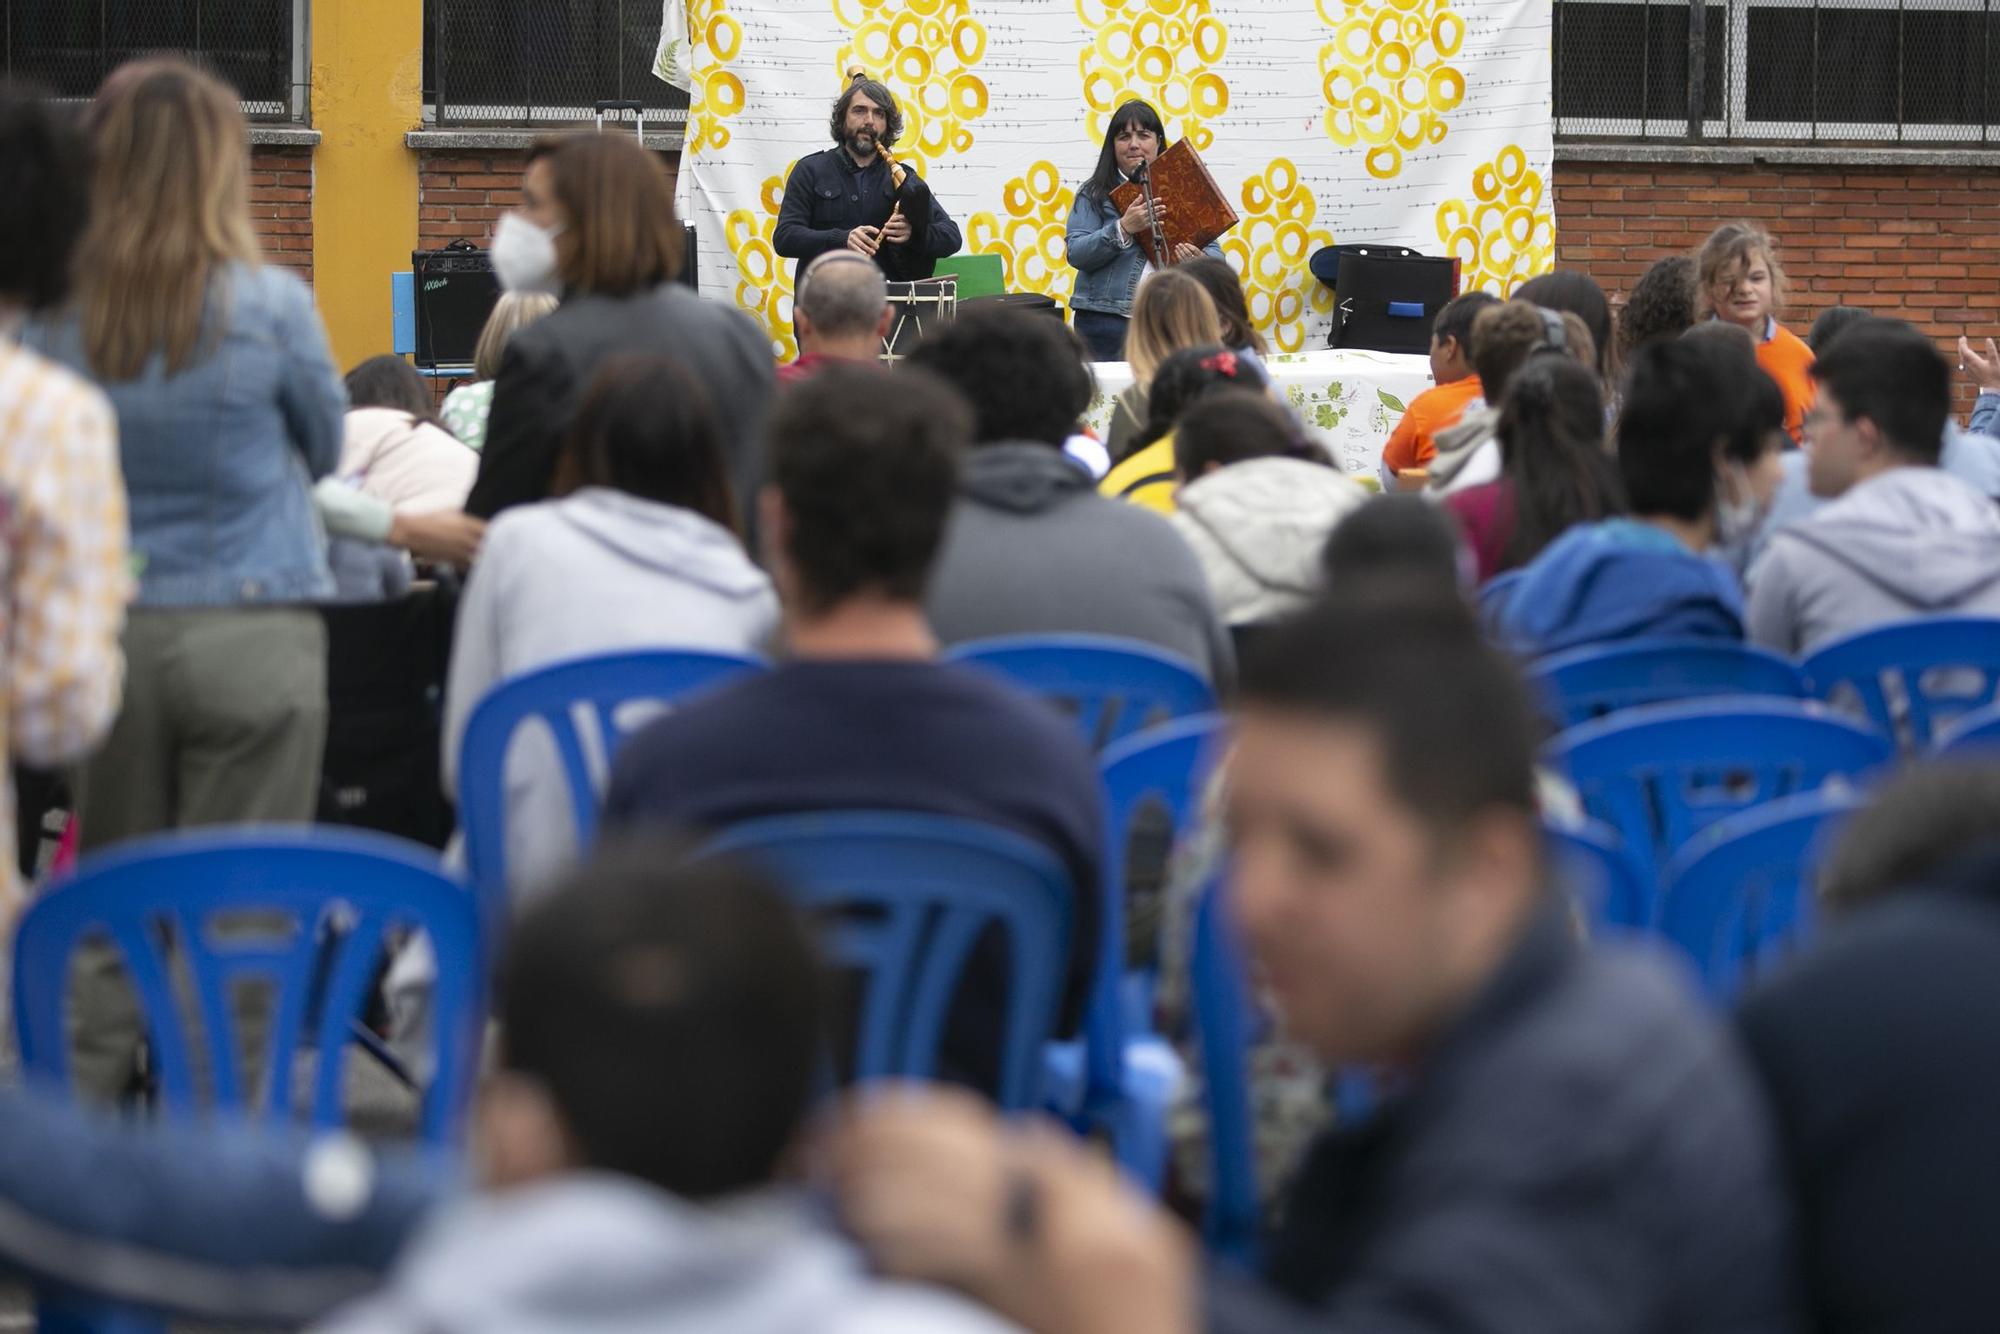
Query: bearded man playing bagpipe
854, 195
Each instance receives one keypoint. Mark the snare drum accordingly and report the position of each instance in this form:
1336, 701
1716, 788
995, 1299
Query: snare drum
924, 304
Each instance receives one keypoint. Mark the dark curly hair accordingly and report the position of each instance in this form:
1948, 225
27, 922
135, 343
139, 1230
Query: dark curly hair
1660, 305
866, 462
878, 93
1023, 374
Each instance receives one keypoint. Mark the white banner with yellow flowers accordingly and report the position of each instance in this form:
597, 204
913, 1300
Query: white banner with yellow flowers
1423, 123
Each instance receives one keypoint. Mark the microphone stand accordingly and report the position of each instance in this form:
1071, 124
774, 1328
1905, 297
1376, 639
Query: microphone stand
1144, 176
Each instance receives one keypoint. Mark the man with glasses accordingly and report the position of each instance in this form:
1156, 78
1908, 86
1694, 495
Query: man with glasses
1903, 538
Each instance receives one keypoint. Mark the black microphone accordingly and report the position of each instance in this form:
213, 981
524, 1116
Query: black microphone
1139, 175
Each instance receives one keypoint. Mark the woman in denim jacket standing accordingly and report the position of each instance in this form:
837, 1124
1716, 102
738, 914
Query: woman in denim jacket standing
1100, 241
228, 407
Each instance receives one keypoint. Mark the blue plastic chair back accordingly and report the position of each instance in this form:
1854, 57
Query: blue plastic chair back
590, 706
1741, 893
1111, 687
1164, 768
1974, 735
1588, 683
906, 897
1661, 775
1225, 1019
340, 895
1913, 676
1494, 594
1611, 888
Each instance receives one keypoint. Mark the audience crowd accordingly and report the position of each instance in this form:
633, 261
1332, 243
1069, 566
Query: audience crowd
1559, 1134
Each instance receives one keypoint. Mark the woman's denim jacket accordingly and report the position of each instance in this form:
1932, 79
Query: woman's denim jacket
220, 459
1107, 274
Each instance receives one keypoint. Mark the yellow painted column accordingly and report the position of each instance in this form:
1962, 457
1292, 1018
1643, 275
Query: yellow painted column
367, 93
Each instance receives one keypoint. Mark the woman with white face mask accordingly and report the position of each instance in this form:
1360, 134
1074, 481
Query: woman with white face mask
596, 228
1749, 469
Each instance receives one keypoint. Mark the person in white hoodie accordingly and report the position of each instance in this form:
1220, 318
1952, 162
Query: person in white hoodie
1903, 538
660, 1052
1256, 504
639, 550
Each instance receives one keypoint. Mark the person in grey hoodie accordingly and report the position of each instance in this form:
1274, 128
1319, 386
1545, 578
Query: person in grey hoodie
1256, 504
641, 553
660, 1057
1032, 548
1904, 538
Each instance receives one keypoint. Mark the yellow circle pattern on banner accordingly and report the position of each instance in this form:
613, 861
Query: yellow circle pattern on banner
1269, 249
1163, 51
1505, 233
1028, 235
1387, 76
763, 281
718, 94
928, 52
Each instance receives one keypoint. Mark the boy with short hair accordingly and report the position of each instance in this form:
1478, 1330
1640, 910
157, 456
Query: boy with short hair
1413, 443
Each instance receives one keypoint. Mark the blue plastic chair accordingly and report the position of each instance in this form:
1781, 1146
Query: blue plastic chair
1122, 1076
341, 893
349, 886
1598, 870
617, 693
1740, 893
1663, 774
1910, 675
1112, 687
1973, 735
1588, 683
908, 896
1226, 1023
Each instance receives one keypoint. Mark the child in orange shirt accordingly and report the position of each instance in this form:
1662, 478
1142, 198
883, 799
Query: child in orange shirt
1413, 443
1739, 281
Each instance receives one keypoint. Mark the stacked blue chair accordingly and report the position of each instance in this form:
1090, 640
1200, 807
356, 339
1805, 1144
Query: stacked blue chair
1122, 1076
1112, 687
1588, 683
619, 692
905, 898
1611, 888
1661, 775
343, 896
1974, 735
1914, 676
1741, 892
1226, 1023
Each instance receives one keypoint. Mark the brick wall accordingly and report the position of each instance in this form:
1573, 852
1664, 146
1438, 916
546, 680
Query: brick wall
281, 185
1917, 243
463, 192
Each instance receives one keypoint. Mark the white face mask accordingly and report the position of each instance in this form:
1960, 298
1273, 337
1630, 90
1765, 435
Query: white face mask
1737, 513
524, 255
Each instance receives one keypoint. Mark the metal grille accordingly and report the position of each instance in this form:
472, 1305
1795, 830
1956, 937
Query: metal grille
68, 46
507, 62
1815, 71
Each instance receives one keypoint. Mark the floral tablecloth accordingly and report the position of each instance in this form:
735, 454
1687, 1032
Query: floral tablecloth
1350, 399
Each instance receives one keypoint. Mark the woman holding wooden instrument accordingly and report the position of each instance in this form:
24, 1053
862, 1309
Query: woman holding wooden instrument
1101, 243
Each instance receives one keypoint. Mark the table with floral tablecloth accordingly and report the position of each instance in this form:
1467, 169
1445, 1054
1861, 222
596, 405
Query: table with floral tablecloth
1349, 398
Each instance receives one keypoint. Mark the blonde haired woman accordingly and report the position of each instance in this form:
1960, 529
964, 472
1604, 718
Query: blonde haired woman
466, 408
1172, 311
228, 406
